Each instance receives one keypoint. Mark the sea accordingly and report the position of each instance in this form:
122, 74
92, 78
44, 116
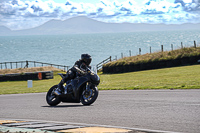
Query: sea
66, 49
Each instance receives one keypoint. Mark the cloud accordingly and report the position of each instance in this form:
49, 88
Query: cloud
17, 14
189, 5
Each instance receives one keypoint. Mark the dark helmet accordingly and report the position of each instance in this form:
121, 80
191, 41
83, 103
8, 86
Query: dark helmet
86, 58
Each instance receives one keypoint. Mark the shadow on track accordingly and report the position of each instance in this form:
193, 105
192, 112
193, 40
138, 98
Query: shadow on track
65, 106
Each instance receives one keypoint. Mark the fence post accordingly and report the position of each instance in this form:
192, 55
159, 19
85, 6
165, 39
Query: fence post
11, 65
130, 52
150, 49
110, 58
16, 64
139, 51
172, 46
5, 65
26, 64
162, 48
122, 55
195, 44
181, 44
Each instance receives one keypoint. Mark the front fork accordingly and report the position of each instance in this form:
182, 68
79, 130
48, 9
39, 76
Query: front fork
88, 89
87, 86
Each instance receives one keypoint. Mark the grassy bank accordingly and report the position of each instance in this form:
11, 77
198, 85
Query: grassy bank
157, 56
186, 77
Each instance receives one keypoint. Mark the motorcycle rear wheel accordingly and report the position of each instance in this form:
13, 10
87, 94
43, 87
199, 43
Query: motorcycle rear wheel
51, 98
87, 98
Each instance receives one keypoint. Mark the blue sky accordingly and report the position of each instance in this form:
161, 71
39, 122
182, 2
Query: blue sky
23, 14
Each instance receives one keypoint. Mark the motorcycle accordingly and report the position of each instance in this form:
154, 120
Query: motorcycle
81, 89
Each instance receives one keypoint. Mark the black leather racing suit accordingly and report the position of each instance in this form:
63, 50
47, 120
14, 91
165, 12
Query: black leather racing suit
72, 73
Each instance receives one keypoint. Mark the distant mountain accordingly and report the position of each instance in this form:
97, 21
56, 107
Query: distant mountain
84, 25
5, 31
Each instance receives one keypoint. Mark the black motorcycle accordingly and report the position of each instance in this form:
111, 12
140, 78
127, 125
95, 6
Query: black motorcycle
81, 89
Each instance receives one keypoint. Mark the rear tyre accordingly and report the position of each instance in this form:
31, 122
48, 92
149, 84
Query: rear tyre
51, 98
87, 98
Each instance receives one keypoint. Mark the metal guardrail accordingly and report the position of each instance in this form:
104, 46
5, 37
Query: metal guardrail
100, 65
26, 64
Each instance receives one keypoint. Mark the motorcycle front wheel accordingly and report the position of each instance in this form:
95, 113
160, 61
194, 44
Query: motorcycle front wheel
51, 98
89, 97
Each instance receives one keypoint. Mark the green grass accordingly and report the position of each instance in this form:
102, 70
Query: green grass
185, 77
14, 87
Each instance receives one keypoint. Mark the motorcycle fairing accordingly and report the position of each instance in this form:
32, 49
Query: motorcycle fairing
77, 85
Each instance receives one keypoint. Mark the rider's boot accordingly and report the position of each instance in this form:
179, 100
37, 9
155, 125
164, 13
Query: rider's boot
60, 88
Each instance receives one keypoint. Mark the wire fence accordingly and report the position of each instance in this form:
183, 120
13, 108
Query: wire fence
162, 49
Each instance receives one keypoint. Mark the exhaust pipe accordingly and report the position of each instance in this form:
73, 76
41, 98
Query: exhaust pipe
57, 92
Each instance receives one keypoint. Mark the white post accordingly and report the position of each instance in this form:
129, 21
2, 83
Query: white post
30, 83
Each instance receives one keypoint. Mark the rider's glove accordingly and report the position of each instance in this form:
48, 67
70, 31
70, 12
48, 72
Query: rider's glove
80, 71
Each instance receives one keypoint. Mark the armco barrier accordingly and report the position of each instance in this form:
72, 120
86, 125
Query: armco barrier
27, 76
152, 65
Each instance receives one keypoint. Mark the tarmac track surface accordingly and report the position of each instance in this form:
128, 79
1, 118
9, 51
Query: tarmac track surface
168, 110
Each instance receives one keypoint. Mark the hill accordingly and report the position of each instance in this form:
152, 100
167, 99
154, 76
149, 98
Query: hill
5, 31
84, 25
184, 56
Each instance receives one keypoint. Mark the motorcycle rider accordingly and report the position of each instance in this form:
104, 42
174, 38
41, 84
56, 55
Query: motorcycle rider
79, 67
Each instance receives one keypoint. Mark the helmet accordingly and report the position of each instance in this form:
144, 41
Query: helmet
86, 58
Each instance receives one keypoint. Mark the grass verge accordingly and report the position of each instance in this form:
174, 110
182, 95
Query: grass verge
184, 77
15, 87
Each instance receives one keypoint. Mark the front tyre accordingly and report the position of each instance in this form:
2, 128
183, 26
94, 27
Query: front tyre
89, 97
51, 98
